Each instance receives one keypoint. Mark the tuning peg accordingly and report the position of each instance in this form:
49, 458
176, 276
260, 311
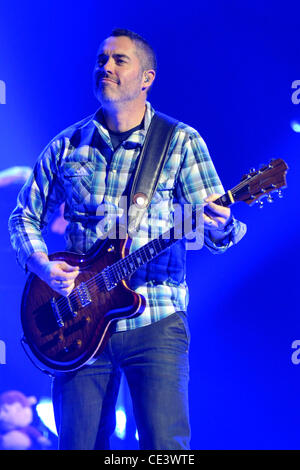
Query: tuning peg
260, 204
262, 168
280, 193
269, 198
252, 170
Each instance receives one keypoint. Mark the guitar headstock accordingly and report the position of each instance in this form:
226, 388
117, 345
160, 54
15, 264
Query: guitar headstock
261, 183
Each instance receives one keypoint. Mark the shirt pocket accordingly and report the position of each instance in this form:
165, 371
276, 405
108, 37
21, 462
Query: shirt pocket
78, 180
165, 189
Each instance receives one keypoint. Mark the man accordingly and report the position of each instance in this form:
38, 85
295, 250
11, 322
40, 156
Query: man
88, 165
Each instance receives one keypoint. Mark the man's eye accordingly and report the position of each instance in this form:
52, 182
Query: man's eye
101, 61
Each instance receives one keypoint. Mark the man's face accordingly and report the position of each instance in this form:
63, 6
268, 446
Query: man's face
118, 74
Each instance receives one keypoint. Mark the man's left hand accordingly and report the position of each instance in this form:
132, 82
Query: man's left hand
215, 216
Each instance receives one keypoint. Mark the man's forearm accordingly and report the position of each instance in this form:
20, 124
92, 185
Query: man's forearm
36, 262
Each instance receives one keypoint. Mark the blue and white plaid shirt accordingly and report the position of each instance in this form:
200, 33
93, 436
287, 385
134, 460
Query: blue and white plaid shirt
80, 168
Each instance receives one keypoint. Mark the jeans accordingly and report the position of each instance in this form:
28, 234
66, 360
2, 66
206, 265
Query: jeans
154, 359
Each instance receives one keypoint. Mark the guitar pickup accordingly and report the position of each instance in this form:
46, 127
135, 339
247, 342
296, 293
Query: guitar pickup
108, 278
83, 294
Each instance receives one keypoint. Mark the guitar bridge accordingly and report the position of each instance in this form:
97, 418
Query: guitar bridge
58, 316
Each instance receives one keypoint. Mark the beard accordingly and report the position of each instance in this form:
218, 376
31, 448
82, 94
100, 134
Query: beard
113, 93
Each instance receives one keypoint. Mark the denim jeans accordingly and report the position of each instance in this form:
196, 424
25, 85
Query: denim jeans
155, 361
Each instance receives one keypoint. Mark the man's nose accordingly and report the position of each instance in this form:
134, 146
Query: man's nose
108, 65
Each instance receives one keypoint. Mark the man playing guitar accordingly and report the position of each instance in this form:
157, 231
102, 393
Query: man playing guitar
90, 164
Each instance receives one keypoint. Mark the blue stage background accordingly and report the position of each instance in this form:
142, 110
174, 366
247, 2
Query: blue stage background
226, 68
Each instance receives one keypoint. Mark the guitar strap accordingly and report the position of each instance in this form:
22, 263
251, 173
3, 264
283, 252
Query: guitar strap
149, 168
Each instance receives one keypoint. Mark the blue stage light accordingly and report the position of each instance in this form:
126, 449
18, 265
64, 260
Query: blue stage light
295, 125
45, 412
121, 419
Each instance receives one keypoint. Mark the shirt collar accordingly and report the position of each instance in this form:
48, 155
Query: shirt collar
136, 137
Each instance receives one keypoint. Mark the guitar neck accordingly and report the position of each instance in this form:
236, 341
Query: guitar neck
226, 200
125, 267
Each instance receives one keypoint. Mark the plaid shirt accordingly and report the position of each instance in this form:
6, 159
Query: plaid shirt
80, 168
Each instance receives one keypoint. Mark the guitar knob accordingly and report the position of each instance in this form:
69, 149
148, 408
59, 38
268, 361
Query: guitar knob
260, 204
269, 198
252, 170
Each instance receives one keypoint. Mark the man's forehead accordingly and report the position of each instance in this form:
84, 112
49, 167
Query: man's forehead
119, 45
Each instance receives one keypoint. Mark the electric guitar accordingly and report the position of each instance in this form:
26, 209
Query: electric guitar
66, 333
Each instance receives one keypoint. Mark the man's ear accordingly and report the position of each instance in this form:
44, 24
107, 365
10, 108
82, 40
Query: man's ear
149, 76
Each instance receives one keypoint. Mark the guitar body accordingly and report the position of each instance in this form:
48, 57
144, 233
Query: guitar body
66, 334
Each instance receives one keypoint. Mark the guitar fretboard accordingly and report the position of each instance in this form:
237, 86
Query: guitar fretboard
125, 267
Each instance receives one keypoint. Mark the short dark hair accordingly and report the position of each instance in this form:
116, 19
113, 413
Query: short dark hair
149, 56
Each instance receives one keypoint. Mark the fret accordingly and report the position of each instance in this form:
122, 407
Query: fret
134, 260
143, 255
152, 249
146, 253
123, 269
149, 252
138, 257
117, 271
99, 282
222, 201
160, 243
226, 199
128, 268
130, 262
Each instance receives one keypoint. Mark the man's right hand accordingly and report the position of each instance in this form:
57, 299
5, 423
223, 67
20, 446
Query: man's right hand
59, 275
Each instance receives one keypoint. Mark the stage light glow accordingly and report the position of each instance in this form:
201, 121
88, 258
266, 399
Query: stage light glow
295, 125
121, 420
45, 412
